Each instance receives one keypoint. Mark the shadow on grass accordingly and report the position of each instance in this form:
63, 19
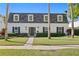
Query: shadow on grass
9, 40
54, 44
2, 38
14, 41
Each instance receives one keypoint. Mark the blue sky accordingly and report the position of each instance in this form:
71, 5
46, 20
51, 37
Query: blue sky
34, 7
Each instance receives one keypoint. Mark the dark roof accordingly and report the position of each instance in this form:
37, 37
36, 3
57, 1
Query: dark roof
38, 17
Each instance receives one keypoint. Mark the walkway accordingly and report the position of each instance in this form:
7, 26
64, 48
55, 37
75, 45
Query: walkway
40, 47
29, 42
29, 45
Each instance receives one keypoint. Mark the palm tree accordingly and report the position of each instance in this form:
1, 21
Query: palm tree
6, 22
74, 13
72, 24
49, 36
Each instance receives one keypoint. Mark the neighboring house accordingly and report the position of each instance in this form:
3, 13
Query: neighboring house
1, 22
76, 21
33, 23
76, 24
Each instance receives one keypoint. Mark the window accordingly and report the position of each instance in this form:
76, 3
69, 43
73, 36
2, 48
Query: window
25, 28
60, 29
59, 18
16, 29
45, 29
30, 17
45, 18
16, 17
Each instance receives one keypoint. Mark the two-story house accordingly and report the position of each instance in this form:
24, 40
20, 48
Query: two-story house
33, 23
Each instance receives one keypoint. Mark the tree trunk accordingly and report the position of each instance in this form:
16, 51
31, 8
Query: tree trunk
72, 29
6, 22
49, 36
72, 24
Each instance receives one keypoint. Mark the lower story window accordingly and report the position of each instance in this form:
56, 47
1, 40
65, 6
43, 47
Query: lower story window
16, 29
60, 29
45, 29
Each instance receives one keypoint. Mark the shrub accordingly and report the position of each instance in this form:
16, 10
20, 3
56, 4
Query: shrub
57, 34
18, 34
2, 32
76, 31
52, 34
12, 34
41, 35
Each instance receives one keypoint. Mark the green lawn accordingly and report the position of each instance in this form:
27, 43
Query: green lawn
55, 40
24, 52
13, 41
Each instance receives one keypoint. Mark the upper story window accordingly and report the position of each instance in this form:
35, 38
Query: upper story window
59, 18
45, 18
16, 17
30, 17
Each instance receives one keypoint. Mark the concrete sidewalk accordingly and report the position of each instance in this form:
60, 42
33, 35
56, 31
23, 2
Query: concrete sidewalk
40, 47
29, 42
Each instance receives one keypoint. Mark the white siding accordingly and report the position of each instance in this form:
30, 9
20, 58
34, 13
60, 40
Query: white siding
39, 26
1, 23
54, 25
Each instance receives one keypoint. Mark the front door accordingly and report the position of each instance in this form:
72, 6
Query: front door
32, 31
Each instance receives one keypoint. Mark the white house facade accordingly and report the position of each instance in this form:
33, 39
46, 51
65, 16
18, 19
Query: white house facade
1, 23
33, 23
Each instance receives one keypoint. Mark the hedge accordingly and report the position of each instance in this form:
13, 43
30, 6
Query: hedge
52, 34
18, 34
37, 35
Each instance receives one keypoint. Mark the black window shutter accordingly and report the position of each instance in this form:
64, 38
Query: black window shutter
57, 29
12, 29
62, 29
43, 29
18, 29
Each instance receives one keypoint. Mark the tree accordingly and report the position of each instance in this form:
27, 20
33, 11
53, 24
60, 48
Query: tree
73, 9
6, 22
49, 36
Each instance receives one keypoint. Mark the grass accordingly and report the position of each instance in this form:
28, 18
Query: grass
24, 52
13, 41
56, 41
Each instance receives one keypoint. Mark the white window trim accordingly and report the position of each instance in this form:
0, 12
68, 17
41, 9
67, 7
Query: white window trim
45, 29
45, 18
60, 29
16, 31
58, 18
14, 17
32, 18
